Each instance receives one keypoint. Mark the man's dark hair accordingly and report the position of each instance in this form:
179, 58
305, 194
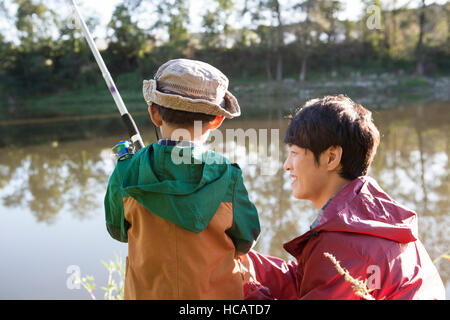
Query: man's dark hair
182, 117
336, 121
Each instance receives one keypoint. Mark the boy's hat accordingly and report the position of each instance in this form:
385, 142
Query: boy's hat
193, 86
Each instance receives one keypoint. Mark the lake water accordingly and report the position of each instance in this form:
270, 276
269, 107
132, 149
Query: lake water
51, 193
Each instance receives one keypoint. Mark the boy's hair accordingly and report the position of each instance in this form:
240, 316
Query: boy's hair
180, 117
336, 121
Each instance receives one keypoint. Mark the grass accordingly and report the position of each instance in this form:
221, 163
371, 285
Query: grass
113, 290
413, 82
96, 99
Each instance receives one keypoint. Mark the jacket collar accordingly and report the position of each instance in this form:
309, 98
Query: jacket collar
178, 143
362, 207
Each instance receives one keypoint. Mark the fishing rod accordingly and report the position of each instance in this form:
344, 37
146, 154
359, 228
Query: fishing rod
133, 131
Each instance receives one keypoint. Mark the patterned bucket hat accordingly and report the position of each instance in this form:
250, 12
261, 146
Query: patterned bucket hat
191, 85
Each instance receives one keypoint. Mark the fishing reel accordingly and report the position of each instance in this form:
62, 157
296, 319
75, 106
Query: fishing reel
124, 149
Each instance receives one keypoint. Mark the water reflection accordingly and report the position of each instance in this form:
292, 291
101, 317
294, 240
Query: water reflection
412, 165
50, 179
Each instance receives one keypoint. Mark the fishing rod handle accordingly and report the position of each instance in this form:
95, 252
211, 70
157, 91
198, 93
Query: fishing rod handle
133, 131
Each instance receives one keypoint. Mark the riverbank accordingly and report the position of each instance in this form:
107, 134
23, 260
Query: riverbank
375, 91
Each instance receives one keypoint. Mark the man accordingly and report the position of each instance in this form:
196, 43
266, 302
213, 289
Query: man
332, 142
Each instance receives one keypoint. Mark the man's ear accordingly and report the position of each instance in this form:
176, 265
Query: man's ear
216, 122
155, 115
334, 157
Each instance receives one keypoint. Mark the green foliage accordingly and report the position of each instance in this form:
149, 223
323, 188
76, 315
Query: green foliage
32, 21
127, 42
215, 24
52, 57
114, 289
173, 16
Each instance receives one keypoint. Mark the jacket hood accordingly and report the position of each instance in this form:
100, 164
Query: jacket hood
187, 194
363, 207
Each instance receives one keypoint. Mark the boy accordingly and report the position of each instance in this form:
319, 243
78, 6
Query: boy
185, 222
332, 142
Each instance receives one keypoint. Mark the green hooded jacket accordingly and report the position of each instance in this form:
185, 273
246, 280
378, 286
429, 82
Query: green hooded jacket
185, 186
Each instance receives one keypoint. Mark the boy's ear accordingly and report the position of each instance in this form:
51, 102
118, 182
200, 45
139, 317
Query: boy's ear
155, 115
216, 122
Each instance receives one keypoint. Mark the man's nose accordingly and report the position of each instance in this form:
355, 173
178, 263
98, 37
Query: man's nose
287, 165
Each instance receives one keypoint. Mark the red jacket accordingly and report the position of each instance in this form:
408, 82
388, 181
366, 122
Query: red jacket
372, 236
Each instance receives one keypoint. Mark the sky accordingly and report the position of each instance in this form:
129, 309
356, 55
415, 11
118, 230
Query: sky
352, 9
103, 9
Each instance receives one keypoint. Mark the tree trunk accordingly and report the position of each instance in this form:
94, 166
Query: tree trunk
305, 40
280, 43
420, 69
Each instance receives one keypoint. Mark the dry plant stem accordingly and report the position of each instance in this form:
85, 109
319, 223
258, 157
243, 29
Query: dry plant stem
445, 256
359, 286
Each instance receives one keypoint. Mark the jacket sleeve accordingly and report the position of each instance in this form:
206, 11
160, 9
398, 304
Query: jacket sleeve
116, 224
245, 229
270, 277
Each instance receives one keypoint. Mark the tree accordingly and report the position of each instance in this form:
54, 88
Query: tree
6, 62
269, 11
127, 40
420, 54
329, 10
274, 5
303, 35
329, 25
215, 23
173, 16
34, 22
373, 25
32, 70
